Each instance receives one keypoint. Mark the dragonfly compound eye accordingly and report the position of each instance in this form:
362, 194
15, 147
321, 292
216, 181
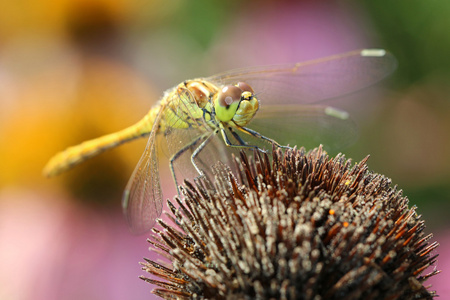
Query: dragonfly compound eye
228, 95
227, 102
245, 87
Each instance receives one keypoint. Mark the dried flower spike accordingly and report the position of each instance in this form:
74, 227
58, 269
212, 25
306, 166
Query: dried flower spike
305, 226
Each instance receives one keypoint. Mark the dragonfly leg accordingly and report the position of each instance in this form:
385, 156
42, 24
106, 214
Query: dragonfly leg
237, 137
259, 135
242, 143
199, 149
177, 155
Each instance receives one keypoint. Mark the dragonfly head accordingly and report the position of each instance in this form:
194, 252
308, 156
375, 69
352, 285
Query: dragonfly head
237, 103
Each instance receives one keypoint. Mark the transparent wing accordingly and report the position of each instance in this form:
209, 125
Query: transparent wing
306, 125
180, 115
315, 80
142, 200
186, 131
213, 151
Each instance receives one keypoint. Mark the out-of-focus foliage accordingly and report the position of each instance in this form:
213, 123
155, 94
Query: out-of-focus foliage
419, 125
418, 33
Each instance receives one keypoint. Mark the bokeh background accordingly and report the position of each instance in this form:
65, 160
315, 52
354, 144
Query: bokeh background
71, 70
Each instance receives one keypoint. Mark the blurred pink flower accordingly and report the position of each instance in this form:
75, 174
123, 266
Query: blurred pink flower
61, 250
289, 32
439, 283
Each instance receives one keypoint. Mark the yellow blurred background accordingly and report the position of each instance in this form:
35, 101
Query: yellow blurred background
72, 70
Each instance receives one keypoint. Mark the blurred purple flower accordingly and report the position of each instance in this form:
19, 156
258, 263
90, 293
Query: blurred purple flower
289, 32
61, 250
440, 283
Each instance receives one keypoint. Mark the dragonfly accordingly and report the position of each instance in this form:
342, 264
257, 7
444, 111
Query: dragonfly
200, 119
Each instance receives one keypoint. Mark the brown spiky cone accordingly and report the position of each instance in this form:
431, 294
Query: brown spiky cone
304, 226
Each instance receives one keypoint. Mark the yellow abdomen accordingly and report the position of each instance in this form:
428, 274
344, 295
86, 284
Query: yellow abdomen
178, 108
74, 155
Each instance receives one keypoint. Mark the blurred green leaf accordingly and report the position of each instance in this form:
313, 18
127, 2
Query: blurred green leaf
417, 32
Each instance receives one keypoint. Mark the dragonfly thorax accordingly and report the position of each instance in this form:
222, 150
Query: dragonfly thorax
236, 103
201, 91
